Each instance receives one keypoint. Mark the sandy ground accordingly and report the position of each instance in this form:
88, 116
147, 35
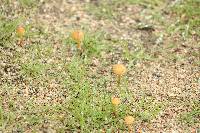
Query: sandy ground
174, 83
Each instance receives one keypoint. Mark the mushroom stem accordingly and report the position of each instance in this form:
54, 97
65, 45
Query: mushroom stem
80, 50
118, 80
79, 45
103, 130
129, 128
21, 42
115, 111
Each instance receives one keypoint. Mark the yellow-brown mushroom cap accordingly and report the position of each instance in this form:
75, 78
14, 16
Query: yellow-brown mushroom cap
77, 36
128, 120
119, 69
115, 101
20, 31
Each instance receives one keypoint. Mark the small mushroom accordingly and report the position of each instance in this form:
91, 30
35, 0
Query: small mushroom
119, 70
78, 37
20, 33
115, 102
129, 120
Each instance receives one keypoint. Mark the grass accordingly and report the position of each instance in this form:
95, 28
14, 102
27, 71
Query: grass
89, 106
8, 28
191, 117
148, 108
138, 54
188, 15
28, 3
104, 9
109, 9
68, 92
94, 43
186, 19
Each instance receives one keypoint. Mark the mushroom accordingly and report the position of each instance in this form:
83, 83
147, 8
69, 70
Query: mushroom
20, 33
78, 37
129, 120
119, 70
115, 102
